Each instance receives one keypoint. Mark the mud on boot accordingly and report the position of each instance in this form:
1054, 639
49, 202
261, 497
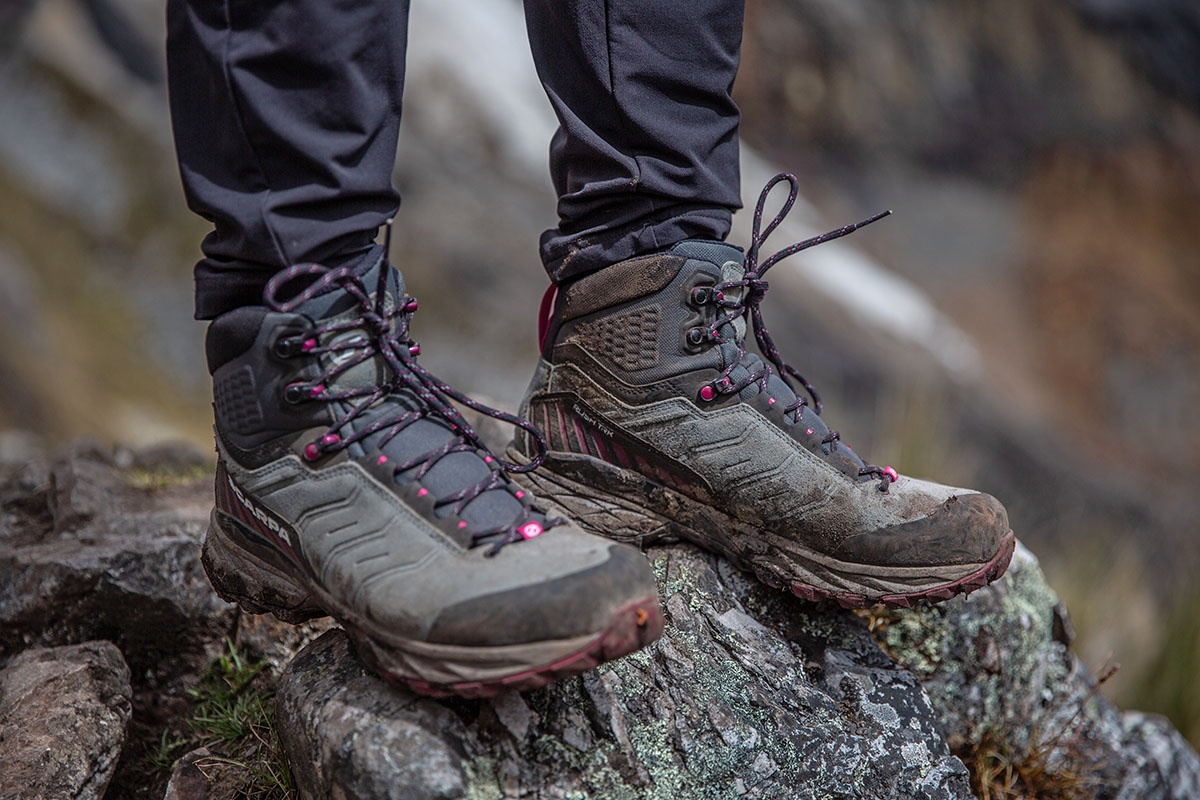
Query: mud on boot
660, 424
349, 485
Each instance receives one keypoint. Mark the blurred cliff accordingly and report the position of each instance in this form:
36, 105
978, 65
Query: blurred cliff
1028, 322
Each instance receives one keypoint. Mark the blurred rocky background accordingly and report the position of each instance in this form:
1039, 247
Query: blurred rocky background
1028, 322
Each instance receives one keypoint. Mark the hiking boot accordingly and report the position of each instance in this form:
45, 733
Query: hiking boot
349, 485
661, 425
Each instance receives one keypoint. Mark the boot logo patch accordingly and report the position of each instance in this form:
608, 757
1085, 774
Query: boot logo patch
234, 502
571, 426
591, 420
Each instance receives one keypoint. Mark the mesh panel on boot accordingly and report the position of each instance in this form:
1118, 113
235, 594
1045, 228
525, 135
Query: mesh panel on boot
629, 340
236, 401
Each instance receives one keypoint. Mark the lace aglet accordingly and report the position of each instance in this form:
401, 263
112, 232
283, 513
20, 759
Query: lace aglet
873, 218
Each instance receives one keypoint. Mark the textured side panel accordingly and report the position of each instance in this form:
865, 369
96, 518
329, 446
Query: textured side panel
629, 340
236, 401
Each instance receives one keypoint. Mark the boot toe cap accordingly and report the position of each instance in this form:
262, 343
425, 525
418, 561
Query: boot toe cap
576, 604
967, 528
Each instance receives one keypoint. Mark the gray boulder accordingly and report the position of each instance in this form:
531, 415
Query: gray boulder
89, 550
63, 713
999, 672
750, 693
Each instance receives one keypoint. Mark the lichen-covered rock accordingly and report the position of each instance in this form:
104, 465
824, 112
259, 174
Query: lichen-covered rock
63, 713
997, 668
89, 550
750, 693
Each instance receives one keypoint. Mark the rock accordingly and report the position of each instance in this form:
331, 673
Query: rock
187, 781
999, 673
63, 713
262, 637
89, 555
750, 693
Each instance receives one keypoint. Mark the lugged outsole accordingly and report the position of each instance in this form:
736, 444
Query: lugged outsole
261, 587
989, 572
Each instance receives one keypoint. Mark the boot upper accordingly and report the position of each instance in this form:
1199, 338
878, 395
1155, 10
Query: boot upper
341, 454
644, 366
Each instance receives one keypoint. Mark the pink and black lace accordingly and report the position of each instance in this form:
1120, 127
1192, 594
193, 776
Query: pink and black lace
409, 391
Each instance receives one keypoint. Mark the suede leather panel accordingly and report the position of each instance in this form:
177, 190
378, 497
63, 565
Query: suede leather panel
620, 283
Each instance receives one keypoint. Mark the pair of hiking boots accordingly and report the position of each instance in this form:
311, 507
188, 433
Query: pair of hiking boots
348, 483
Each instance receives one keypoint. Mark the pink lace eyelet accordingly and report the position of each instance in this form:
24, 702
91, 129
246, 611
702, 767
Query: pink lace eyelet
707, 393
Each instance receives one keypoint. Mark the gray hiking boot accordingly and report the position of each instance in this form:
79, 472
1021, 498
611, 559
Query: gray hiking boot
349, 485
661, 425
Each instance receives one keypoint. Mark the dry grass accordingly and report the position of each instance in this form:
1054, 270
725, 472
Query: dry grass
1061, 765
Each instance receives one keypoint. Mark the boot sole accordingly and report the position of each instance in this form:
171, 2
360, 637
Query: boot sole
242, 573
623, 505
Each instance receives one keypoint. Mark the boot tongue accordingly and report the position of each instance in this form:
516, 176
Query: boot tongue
730, 263
734, 272
451, 473
338, 305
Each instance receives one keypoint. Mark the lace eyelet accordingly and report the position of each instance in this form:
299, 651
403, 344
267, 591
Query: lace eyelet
701, 295
696, 336
294, 393
285, 347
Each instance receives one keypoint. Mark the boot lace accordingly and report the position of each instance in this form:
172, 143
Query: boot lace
382, 327
743, 297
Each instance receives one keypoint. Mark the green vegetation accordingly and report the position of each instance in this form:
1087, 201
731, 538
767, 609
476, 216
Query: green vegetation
1117, 612
1169, 685
232, 716
157, 478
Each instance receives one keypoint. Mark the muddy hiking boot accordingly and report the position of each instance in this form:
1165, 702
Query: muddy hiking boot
661, 425
348, 484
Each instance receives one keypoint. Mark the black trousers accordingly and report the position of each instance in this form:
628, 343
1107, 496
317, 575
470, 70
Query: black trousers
286, 115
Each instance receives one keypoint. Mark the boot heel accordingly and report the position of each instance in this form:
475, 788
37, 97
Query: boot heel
240, 577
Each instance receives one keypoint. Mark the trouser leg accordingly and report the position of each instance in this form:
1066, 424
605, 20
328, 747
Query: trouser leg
286, 114
646, 153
